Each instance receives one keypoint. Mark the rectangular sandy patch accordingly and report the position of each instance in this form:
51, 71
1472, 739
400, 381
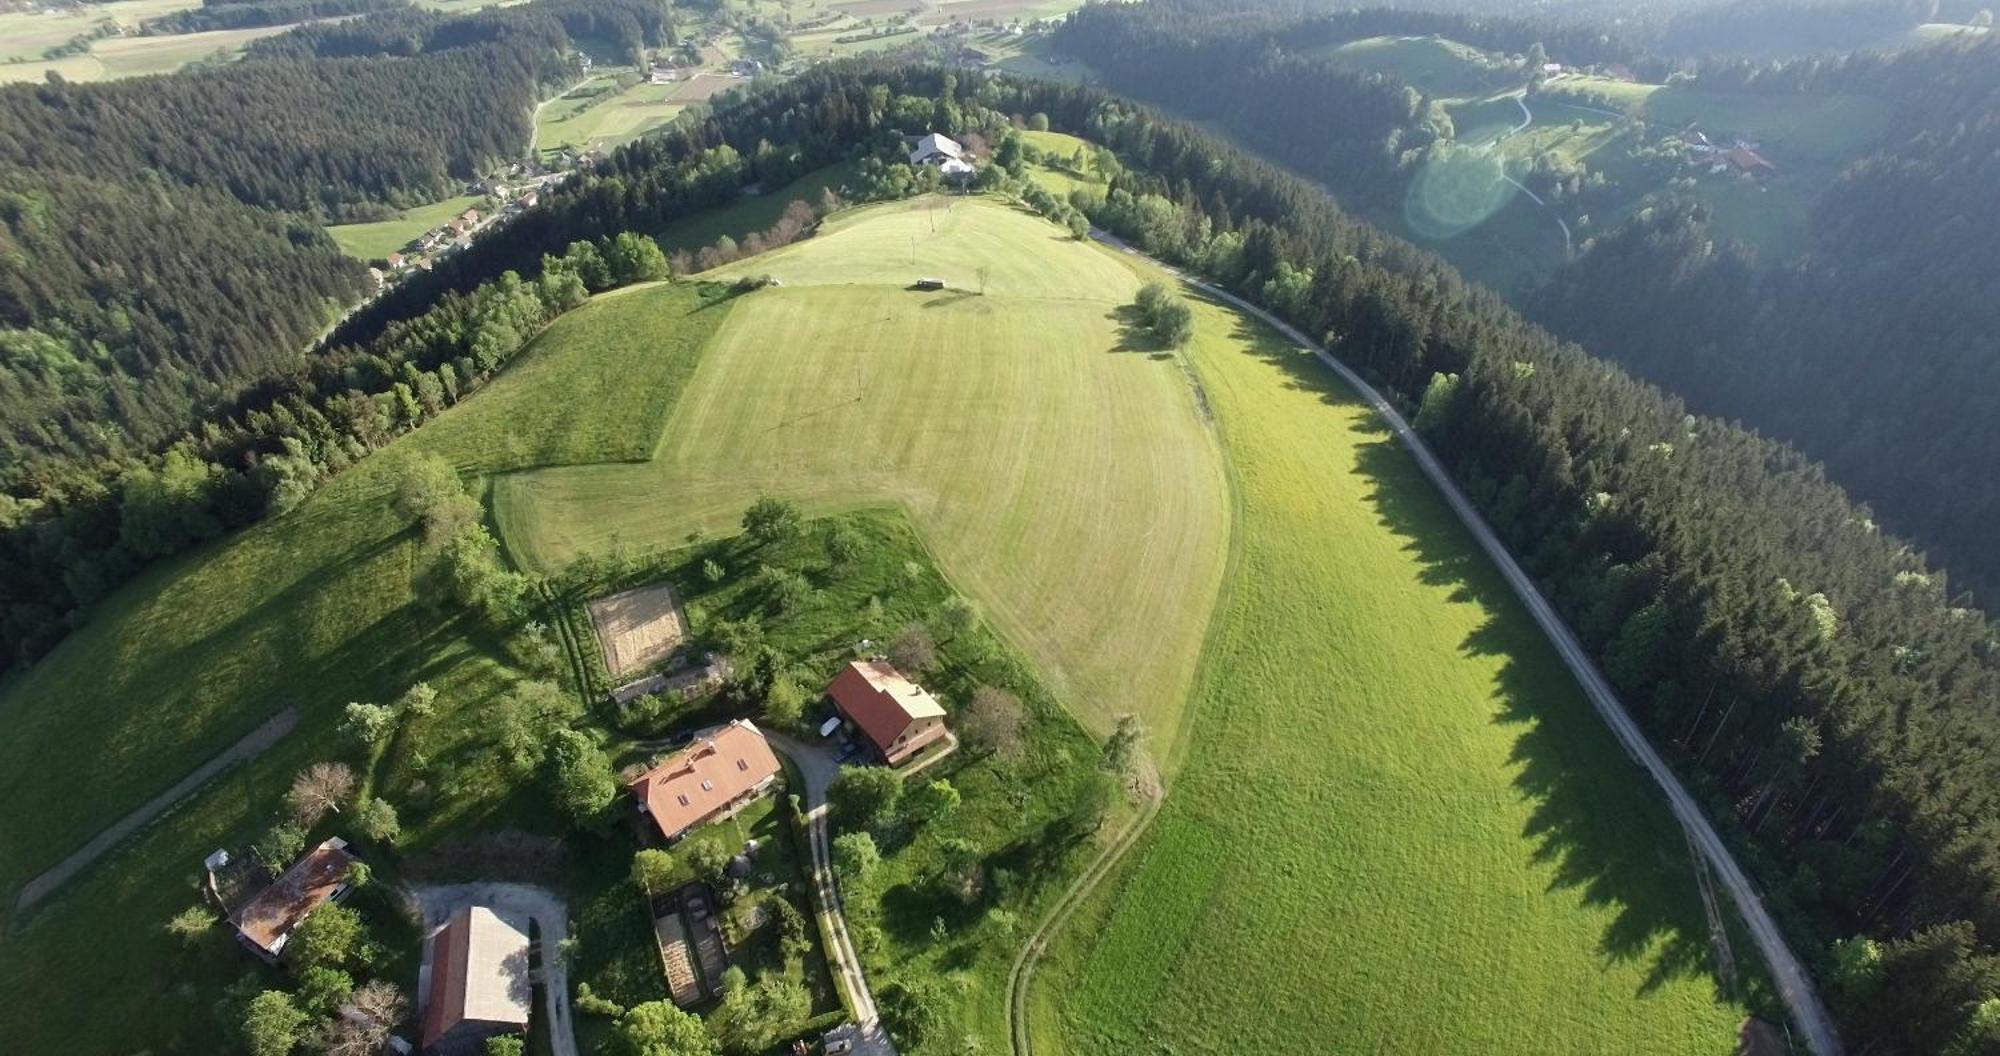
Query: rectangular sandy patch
639, 627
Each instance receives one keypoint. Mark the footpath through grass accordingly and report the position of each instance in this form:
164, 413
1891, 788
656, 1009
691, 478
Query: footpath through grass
1398, 826
1060, 470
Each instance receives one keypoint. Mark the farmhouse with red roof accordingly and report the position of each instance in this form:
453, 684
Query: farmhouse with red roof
894, 713
711, 779
477, 987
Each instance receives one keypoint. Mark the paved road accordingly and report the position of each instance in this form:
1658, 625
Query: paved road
551, 920
1794, 984
252, 745
819, 767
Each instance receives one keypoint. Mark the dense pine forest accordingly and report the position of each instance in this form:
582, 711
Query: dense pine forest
1873, 351
1809, 672
204, 272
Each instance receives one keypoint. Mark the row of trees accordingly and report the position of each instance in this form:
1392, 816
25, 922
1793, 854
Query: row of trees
87, 530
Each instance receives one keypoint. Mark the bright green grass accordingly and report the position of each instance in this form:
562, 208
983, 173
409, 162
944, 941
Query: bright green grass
1066, 481
1398, 826
315, 609
1060, 147
1442, 69
379, 238
1807, 127
116, 57
752, 212
608, 121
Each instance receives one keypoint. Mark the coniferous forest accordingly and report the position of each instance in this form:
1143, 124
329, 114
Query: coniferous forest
1874, 351
1812, 676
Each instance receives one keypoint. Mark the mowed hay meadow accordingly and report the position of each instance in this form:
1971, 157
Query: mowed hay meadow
1063, 475
1397, 827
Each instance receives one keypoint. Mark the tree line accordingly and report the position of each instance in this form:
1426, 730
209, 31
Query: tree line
248, 14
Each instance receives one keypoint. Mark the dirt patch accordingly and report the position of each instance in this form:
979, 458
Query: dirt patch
638, 628
1759, 1038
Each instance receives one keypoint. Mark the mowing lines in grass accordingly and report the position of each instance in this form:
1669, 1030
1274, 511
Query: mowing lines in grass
1425, 839
1056, 464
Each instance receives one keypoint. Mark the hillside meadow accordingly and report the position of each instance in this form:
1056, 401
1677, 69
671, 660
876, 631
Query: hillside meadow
1063, 475
1397, 826
312, 609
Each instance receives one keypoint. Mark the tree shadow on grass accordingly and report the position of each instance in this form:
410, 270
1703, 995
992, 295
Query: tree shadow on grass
1596, 821
1134, 335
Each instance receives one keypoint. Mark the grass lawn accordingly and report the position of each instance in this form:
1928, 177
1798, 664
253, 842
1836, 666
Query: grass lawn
1064, 477
313, 609
611, 119
1441, 69
1398, 826
1060, 147
116, 57
751, 212
379, 238
1796, 127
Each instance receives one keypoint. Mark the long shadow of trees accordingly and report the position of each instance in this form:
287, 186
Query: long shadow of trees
1595, 820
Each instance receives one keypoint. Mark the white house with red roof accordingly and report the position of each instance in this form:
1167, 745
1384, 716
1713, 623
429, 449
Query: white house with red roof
895, 714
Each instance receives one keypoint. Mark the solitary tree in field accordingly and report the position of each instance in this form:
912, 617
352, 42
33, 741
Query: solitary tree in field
368, 724
657, 1028
190, 924
272, 1024
770, 520
913, 652
377, 820
995, 722
319, 789
1121, 749
931, 802
419, 701
430, 492
955, 617
864, 796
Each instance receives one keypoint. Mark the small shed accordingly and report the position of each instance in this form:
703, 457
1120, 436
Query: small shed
930, 284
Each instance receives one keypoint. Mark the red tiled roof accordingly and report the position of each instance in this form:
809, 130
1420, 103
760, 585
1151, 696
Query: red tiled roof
479, 973
704, 777
880, 700
269, 917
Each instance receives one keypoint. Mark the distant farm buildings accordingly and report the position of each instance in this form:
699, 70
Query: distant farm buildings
265, 923
478, 985
942, 153
724, 769
896, 716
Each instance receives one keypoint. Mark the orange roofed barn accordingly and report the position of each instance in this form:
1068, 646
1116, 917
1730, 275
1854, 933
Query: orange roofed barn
478, 986
265, 922
894, 713
710, 779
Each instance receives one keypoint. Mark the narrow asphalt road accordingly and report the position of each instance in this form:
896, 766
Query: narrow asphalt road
818, 767
1793, 983
250, 746
551, 920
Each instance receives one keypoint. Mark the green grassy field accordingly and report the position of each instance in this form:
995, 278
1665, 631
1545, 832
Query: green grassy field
379, 238
312, 609
1064, 478
611, 120
116, 57
752, 212
1398, 826
1442, 69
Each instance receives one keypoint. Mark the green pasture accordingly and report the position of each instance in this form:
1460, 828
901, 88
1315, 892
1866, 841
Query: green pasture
116, 57
1397, 825
1439, 68
753, 212
1058, 466
313, 609
608, 120
379, 238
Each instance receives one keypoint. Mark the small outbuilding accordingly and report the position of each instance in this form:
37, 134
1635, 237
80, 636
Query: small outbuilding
895, 714
265, 923
478, 986
929, 284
